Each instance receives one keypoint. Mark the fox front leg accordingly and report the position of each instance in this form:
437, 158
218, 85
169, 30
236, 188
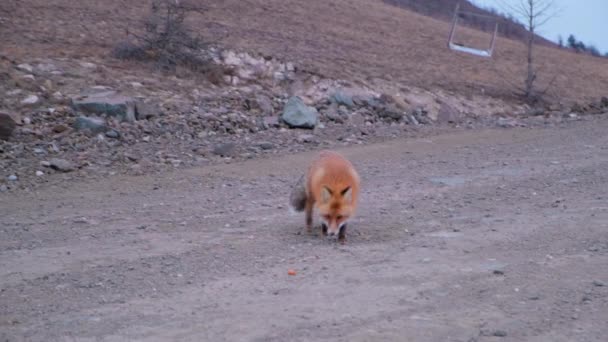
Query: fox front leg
342, 234
309, 216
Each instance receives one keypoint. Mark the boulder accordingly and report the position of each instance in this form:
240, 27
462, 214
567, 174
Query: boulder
106, 103
298, 115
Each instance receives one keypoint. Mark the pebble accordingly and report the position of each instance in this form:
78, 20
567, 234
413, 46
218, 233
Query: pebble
30, 100
13, 178
39, 173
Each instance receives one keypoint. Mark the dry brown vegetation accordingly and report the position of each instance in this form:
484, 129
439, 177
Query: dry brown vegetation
352, 39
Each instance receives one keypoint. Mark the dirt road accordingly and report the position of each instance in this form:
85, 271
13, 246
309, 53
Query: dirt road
497, 235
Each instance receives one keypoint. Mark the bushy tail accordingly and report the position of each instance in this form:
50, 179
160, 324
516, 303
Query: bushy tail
297, 199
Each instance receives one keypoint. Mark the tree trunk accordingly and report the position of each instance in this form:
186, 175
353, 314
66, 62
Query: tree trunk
531, 74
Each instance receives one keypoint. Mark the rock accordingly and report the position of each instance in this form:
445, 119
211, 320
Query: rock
298, 115
506, 123
390, 111
224, 149
39, 173
447, 114
61, 165
147, 111
598, 283
499, 333
93, 124
604, 102
306, 138
264, 104
7, 126
265, 145
333, 114
106, 103
3, 188
25, 67
60, 128
12, 178
113, 134
268, 122
30, 100
421, 116
341, 98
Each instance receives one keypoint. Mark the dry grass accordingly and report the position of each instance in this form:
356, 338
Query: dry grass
352, 39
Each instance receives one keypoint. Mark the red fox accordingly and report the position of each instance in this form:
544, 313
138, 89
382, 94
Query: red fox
332, 186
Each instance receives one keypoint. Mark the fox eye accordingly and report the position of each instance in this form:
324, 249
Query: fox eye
340, 217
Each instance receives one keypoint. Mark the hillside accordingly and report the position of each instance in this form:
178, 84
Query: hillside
352, 39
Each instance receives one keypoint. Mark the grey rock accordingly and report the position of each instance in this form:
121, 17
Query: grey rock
113, 134
390, 111
264, 104
30, 100
447, 114
598, 283
224, 149
265, 145
298, 115
306, 138
147, 111
7, 126
93, 124
12, 178
61, 165
3, 188
25, 67
341, 98
334, 114
106, 103
268, 122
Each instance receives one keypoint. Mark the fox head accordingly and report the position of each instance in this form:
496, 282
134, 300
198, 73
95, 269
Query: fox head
335, 206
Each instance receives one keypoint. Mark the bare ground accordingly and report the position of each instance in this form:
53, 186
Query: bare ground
496, 235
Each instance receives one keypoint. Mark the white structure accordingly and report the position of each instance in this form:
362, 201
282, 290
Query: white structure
467, 49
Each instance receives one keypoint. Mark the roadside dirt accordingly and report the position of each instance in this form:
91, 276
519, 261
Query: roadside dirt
495, 235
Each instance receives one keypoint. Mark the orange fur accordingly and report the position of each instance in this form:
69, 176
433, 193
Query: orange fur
332, 187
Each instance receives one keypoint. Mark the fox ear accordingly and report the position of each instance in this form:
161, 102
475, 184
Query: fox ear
348, 194
325, 194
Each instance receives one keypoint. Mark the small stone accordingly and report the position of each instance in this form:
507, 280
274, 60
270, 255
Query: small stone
224, 149
113, 134
265, 145
499, 333
30, 100
3, 188
498, 272
12, 178
147, 111
306, 138
61, 165
60, 128
598, 283
93, 124
25, 67
39, 173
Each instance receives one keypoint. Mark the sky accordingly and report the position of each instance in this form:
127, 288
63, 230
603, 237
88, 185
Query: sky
586, 19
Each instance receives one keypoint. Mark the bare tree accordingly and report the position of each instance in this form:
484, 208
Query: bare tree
534, 13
